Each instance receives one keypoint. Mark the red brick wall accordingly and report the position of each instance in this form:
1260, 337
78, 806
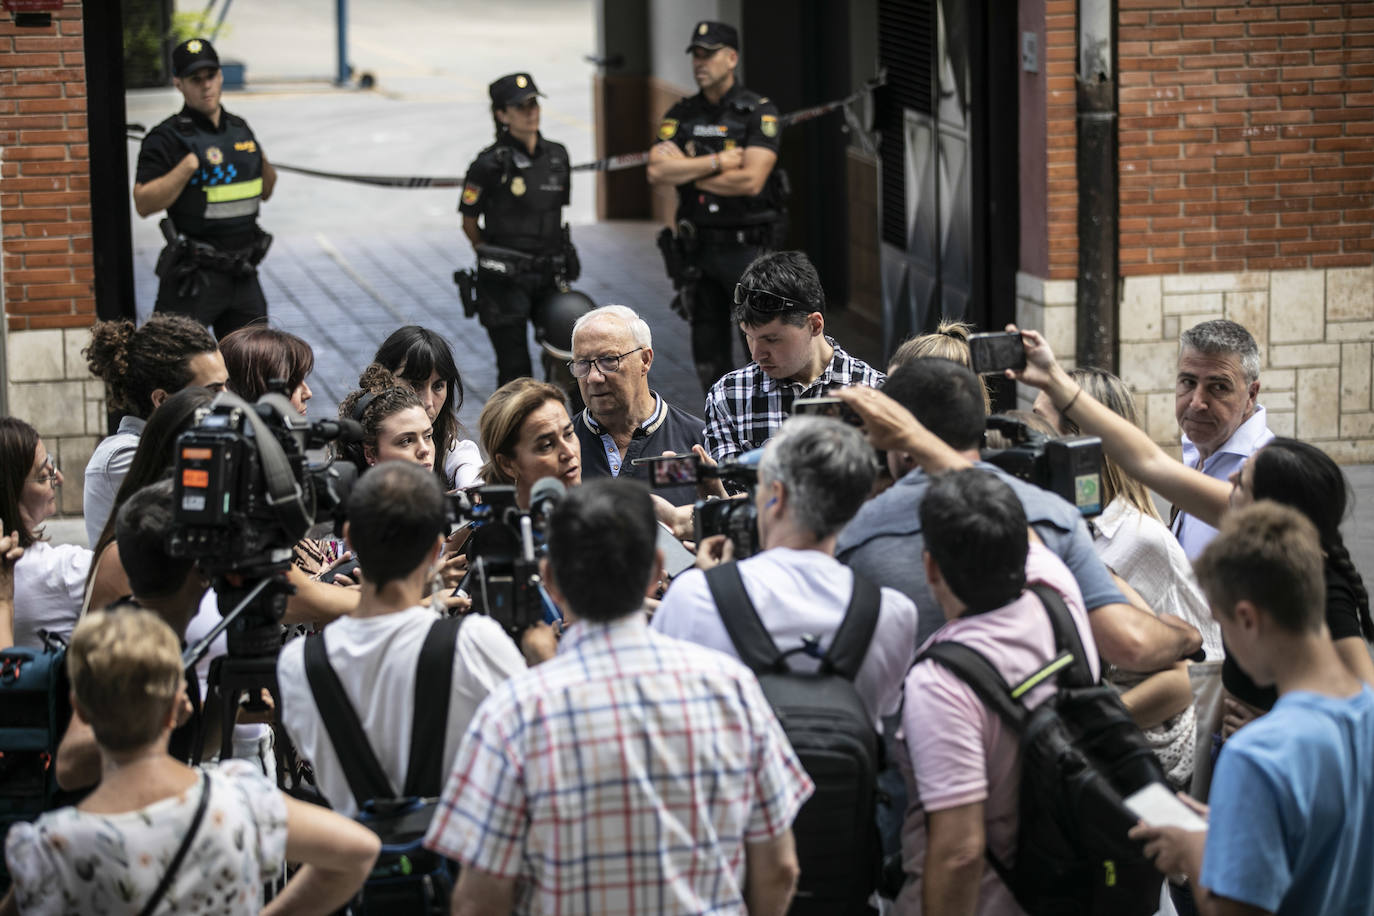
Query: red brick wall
1061, 140
45, 203
1246, 135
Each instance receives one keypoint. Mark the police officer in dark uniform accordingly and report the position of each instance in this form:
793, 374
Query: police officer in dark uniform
719, 149
518, 186
204, 167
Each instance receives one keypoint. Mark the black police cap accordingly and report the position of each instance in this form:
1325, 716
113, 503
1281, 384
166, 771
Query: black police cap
512, 89
190, 56
713, 36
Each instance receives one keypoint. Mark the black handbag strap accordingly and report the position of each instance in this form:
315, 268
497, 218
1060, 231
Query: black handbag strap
433, 690
366, 778
755, 645
172, 867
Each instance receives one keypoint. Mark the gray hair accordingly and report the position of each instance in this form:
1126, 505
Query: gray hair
638, 327
1222, 337
826, 467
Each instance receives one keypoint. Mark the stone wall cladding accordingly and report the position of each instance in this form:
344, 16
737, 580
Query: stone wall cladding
47, 270
1246, 137
1315, 330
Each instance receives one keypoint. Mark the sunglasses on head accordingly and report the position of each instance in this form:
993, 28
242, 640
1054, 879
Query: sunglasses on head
761, 300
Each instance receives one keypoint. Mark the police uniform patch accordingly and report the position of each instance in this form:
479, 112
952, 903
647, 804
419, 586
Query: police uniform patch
471, 193
729, 145
194, 46
214, 156
668, 129
517, 186
769, 125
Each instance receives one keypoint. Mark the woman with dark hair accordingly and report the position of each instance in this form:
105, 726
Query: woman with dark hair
151, 463
1286, 471
394, 421
421, 359
256, 354
141, 367
48, 580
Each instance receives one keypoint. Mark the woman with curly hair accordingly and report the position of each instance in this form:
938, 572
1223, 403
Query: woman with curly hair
395, 424
141, 367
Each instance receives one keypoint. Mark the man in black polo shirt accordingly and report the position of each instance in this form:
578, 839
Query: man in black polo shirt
204, 167
719, 149
625, 419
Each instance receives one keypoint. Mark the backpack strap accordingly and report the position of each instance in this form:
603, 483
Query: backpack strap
1066, 638
429, 725
366, 778
750, 637
855, 633
973, 668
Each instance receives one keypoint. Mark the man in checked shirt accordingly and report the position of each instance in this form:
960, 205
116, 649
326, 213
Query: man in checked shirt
633, 773
780, 308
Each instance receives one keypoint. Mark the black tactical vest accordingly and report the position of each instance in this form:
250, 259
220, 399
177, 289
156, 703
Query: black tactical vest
705, 128
525, 211
222, 197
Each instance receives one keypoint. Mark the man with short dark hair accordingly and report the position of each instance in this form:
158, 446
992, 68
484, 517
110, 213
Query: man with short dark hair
881, 540
1291, 825
813, 476
964, 762
632, 773
780, 308
396, 529
1215, 403
625, 419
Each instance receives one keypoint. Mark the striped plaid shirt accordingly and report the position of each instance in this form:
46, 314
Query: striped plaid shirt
623, 776
744, 408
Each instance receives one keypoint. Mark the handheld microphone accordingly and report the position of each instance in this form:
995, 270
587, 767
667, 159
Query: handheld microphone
546, 493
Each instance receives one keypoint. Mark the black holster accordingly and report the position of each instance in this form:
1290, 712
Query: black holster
572, 264
467, 290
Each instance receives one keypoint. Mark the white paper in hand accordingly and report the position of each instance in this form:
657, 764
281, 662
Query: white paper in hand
1157, 806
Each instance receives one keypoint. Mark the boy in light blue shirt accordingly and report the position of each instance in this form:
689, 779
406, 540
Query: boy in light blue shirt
1291, 825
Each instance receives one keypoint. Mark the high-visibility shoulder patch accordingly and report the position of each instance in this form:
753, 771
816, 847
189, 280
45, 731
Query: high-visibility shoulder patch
769, 125
668, 129
471, 193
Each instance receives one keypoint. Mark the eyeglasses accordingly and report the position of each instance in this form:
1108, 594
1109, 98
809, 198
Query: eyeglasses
761, 300
607, 364
51, 477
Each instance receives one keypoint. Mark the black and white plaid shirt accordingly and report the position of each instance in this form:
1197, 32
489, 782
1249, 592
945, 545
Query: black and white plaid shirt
745, 408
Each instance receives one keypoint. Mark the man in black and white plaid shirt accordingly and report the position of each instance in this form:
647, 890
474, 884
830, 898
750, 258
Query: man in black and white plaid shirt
780, 308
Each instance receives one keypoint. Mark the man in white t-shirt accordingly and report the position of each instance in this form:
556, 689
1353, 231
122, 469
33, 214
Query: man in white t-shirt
396, 530
966, 762
813, 476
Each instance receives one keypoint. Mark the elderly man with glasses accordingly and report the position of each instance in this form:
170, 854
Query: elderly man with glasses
624, 418
780, 308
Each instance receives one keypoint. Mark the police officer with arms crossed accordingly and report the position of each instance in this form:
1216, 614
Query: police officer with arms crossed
718, 148
518, 186
204, 167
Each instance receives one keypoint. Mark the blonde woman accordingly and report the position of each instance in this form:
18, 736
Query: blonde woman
157, 836
528, 435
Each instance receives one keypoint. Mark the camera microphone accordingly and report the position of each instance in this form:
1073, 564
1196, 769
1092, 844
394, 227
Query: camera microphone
546, 493
344, 430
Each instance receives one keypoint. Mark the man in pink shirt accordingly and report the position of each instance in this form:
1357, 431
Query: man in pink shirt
964, 763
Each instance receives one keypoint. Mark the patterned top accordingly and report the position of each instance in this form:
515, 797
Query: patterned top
69, 861
623, 776
744, 408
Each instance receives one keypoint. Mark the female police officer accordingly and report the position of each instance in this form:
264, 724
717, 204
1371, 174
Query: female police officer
519, 186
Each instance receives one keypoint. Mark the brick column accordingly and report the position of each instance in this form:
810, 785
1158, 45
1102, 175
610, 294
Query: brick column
45, 210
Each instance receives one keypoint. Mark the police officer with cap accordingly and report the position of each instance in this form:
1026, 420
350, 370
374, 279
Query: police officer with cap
719, 149
518, 187
204, 167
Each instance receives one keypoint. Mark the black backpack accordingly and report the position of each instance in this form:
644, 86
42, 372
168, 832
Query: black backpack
1081, 754
408, 878
833, 736
34, 711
